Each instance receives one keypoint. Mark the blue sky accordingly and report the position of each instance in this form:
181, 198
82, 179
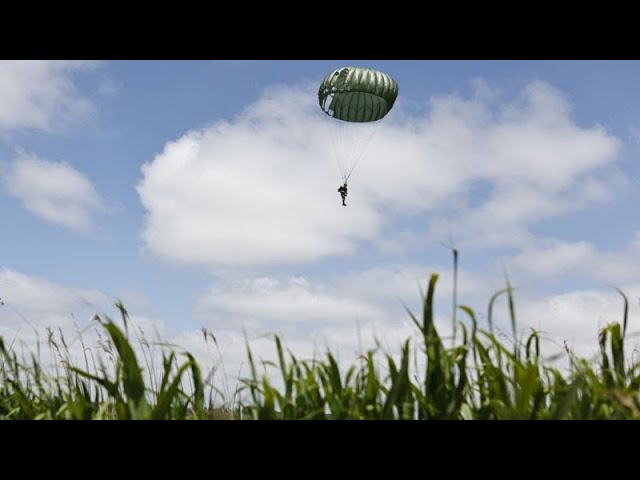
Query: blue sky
203, 193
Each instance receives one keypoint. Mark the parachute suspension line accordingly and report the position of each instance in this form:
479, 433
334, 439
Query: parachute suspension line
334, 144
349, 141
365, 144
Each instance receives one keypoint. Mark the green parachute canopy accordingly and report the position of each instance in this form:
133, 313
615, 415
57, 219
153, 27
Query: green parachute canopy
356, 94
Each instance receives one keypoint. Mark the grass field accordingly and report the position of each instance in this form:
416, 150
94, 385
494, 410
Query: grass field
478, 375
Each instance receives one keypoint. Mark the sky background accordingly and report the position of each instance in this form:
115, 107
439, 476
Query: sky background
203, 194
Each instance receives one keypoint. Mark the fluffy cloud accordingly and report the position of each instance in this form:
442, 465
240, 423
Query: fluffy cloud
377, 294
260, 189
41, 302
396, 285
552, 258
309, 316
557, 258
255, 191
349, 314
576, 317
272, 303
54, 191
40, 94
57, 323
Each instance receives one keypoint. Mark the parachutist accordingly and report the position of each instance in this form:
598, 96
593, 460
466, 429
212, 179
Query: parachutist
343, 192
354, 98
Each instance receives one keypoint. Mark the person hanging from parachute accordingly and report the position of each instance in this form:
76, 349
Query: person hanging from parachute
355, 99
343, 192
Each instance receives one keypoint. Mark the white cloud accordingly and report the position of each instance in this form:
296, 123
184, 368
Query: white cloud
300, 304
260, 189
44, 303
349, 314
57, 322
504, 218
483, 90
551, 258
395, 285
272, 303
558, 258
575, 317
309, 317
41, 94
54, 191
253, 192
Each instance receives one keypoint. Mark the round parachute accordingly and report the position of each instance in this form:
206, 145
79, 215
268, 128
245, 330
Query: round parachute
357, 94
355, 98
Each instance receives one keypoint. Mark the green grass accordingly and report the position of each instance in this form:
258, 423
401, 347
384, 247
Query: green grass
478, 376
